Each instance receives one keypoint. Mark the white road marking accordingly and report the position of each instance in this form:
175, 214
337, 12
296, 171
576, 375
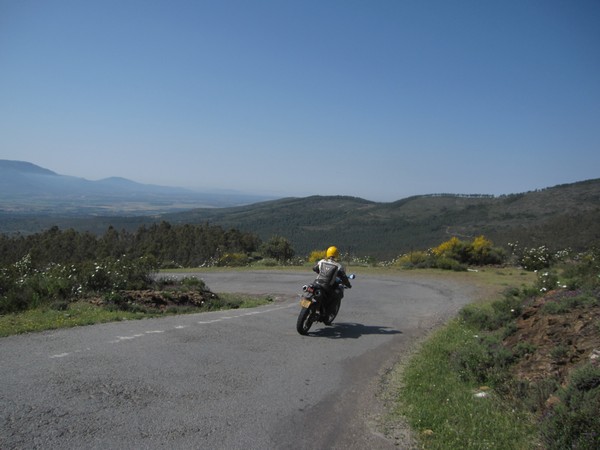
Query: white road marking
180, 327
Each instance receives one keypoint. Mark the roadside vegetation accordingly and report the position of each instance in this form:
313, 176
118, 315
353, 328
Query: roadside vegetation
519, 371
67, 278
60, 296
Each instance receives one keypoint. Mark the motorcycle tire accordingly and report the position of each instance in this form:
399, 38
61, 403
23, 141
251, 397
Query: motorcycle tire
305, 320
333, 314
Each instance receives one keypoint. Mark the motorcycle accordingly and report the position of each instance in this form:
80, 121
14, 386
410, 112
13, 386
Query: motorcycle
317, 305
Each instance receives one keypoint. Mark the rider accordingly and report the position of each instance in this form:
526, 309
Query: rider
329, 270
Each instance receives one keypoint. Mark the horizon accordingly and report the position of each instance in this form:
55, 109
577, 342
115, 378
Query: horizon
252, 194
380, 101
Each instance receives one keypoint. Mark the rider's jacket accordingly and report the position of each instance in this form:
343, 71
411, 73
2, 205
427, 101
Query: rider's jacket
327, 271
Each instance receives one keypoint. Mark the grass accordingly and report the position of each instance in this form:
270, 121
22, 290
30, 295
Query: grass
77, 314
84, 313
445, 410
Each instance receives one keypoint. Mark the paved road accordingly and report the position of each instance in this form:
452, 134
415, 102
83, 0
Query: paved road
240, 379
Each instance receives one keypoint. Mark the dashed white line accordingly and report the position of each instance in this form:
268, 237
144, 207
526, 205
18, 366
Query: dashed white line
179, 327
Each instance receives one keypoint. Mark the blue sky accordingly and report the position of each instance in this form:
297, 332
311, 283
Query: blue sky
376, 99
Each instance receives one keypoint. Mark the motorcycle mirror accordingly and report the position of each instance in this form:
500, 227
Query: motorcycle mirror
352, 276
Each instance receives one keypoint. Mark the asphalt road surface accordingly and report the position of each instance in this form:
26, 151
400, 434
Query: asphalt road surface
238, 379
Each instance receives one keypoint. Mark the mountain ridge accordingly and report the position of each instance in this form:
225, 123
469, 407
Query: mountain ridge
26, 187
565, 215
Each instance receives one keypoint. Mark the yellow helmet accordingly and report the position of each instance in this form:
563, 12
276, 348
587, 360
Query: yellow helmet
332, 252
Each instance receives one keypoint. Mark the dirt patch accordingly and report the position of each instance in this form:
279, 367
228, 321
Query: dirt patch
558, 342
161, 300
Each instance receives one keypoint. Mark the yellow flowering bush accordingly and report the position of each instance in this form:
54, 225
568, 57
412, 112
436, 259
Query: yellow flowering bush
317, 255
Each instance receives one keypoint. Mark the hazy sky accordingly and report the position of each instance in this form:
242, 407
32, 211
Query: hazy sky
379, 99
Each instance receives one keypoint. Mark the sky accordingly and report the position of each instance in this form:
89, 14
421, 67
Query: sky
379, 99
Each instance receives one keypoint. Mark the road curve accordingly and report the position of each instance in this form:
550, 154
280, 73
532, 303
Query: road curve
231, 379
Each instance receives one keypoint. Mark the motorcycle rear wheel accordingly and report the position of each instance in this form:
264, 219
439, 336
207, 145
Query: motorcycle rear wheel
305, 320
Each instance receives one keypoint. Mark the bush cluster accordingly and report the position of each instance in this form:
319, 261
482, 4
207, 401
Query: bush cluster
574, 422
455, 254
24, 286
538, 258
171, 245
317, 255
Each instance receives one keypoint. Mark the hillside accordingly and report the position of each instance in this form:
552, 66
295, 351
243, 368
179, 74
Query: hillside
558, 217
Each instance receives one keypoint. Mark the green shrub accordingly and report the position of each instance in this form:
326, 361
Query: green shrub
583, 271
233, 260
477, 316
493, 316
412, 260
507, 309
447, 263
559, 352
575, 421
18, 299
509, 329
568, 301
483, 360
269, 262
194, 282
278, 248
532, 395
523, 348
547, 281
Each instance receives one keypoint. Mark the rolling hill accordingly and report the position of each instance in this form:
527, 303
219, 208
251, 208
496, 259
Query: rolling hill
558, 217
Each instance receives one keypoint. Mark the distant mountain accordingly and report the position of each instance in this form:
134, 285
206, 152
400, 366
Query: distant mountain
558, 217
24, 167
27, 188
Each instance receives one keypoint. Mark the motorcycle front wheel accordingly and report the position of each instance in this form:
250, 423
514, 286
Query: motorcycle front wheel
305, 320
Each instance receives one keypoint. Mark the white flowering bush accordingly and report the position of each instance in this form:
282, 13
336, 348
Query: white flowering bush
532, 259
23, 286
538, 258
548, 281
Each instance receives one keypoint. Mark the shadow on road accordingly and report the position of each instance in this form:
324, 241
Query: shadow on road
351, 331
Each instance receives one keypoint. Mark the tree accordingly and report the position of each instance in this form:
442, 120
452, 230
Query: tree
278, 248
